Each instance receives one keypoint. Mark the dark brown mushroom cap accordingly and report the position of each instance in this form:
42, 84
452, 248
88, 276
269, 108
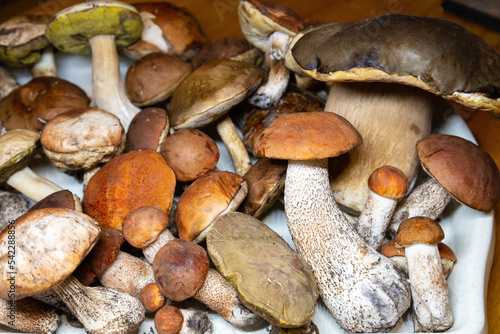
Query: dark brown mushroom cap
143, 225
307, 136
60, 199
434, 54
17, 148
180, 269
210, 91
50, 244
271, 279
153, 78
148, 130
389, 182
41, 98
419, 230
190, 153
464, 169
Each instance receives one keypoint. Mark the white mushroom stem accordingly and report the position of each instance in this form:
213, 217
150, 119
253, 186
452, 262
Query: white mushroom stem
100, 309
46, 66
269, 93
431, 305
107, 87
363, 290
29, 316
32, 185
427, 200
127, 274
7, 82
234, 144
374, 219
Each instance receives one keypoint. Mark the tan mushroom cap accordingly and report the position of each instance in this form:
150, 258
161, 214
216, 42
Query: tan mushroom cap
41, 98
464, 169
50, 243
143, 225
389, 182
148, 130
153, 78
307, 136
210, 91
419, 230
190, 153
17, 148
430, 53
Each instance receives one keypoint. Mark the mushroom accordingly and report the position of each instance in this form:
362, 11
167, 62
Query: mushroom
7, 82
427, 60
148, 130
269, 27
29, 316
271, 279
206, 96
363, 290
152, 299
173, 320
59, 199
387, 185
12, 205
431, 304
458, 169
100, 27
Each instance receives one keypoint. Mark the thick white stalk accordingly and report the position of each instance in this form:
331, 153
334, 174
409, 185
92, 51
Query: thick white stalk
107, 86
46, 66
363, 290
32, 185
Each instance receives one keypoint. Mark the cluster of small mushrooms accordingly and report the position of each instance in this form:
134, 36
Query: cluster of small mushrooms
302, 110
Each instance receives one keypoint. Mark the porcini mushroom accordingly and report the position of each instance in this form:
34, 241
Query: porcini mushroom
363, 290
431, 304
100, 28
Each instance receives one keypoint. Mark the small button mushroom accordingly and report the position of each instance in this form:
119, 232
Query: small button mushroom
127, 182
208, 197
387, 185
167, 28
269, 27
152, 299
225, 83
172, 320
343, 263
190, 153
431, 304
458, 169
153, 78
148, 129
102, 38
29, 316
82, 138
271, 279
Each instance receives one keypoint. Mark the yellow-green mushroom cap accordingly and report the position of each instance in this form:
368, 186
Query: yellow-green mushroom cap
271, 279
17, 147
71, 28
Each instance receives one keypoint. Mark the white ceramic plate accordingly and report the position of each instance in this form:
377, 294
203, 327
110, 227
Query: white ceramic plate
468, 232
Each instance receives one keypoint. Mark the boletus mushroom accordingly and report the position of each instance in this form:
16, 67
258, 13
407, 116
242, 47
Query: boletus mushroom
363, 290
148, 130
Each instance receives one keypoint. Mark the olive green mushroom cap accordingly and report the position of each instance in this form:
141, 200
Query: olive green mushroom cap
434, 54
17, 147
71, 28
271, 279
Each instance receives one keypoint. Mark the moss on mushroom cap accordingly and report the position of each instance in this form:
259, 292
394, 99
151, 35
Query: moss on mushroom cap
71, 28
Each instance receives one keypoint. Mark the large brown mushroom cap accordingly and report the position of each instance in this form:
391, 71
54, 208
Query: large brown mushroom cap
434, 54
464, 169
307, 136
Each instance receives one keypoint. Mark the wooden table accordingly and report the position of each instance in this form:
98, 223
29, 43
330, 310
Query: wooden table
218, 18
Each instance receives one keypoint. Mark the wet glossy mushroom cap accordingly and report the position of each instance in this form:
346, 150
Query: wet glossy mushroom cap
210, 91
22, 39
461, 167
50, 245
190, 153
209, 196
307, 136
272, 279
388, 182
153, 78
437, 55
38, 101
129, 181
71, 28
167, 28
235, 48
82, 138
419, 230
143, 225
17, 148
148, 130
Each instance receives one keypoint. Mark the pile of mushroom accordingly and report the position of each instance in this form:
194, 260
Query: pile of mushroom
169, 224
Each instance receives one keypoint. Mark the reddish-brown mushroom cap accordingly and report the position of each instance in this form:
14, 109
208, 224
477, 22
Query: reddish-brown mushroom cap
169, 320
180, 269
148, 130
60, 199
151, 298
143, 225
419, 230
389, 182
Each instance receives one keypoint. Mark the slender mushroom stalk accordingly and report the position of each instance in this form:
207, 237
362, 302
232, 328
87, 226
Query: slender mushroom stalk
46, 66
29, 316
232, 139
363, 290
420, 237
387, 185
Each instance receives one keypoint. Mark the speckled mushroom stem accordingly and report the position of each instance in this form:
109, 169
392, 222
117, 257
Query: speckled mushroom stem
234, 144
363, 290
7, 82
29, 316
431, 305
46, 66
107, 87
100, 309
272, 90
32, 185
428, 200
